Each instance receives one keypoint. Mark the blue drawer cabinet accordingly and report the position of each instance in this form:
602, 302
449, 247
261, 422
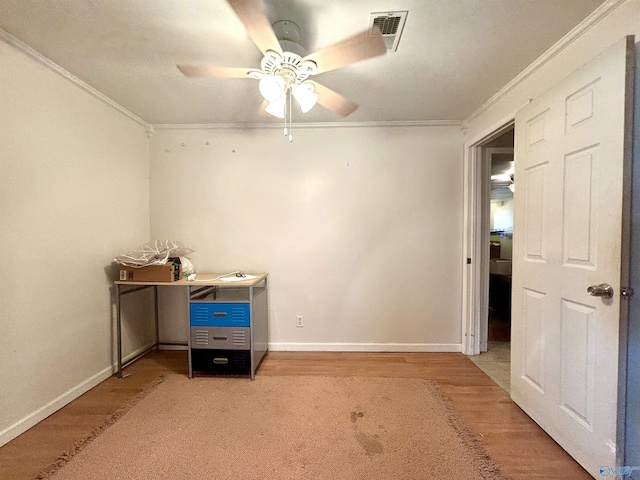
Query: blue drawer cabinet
219, 315
228, 332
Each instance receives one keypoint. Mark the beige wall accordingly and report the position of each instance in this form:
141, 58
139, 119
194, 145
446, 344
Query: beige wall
350, 223
73, 192
501, 215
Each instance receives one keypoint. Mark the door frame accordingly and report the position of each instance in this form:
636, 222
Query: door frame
475, 279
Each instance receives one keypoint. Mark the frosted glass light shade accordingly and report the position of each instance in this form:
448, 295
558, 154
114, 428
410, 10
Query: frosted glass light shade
271, 87
305, 96
277, 107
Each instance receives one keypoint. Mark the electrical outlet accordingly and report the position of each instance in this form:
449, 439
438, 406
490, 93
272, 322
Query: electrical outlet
299, 321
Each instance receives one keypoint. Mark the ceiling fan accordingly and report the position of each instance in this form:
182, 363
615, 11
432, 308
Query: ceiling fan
285, 70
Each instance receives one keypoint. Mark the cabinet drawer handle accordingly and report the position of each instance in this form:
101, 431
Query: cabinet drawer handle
220, 361
219, 338
219, 314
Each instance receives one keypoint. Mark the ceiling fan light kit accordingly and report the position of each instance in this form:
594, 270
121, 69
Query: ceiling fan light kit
283, 74
285, 68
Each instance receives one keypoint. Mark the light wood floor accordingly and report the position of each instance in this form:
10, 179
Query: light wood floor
512, 439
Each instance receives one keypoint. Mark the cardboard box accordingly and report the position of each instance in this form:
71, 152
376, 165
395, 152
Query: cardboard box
169, 272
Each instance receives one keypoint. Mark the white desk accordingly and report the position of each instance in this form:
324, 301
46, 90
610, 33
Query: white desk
207, 288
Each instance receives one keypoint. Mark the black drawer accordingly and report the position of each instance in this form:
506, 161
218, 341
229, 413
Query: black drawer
221, 362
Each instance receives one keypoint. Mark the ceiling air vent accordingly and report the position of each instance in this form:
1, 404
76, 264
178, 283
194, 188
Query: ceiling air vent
391, 25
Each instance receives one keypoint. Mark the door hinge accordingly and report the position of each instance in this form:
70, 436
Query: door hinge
468, 261
626, 291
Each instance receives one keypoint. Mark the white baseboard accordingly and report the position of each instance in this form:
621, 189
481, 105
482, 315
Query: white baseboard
174, 347
56, 404
33, 418
365, 347
350, 347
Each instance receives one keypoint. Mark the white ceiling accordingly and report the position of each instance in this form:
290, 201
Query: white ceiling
453, 55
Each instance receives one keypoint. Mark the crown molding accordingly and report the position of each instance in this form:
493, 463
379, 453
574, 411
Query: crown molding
51, 65
598, 14
252, 126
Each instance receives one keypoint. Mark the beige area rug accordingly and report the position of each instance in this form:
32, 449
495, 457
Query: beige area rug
281, 428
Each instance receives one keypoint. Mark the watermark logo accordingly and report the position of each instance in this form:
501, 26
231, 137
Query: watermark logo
625, 471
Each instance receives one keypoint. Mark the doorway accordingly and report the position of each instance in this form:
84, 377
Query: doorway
570, 257
496, 207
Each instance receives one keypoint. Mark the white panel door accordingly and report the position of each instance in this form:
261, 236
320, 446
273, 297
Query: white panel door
571, 162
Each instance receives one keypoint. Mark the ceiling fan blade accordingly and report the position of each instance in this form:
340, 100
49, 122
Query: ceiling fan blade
256, 23
211, 71
364, 45
333, 100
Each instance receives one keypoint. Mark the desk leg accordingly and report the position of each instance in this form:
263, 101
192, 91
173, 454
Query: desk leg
119, 330
252, 346
155, 306
189, 330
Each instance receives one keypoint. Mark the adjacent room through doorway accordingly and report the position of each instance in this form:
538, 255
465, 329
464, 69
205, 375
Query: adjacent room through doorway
498, 187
